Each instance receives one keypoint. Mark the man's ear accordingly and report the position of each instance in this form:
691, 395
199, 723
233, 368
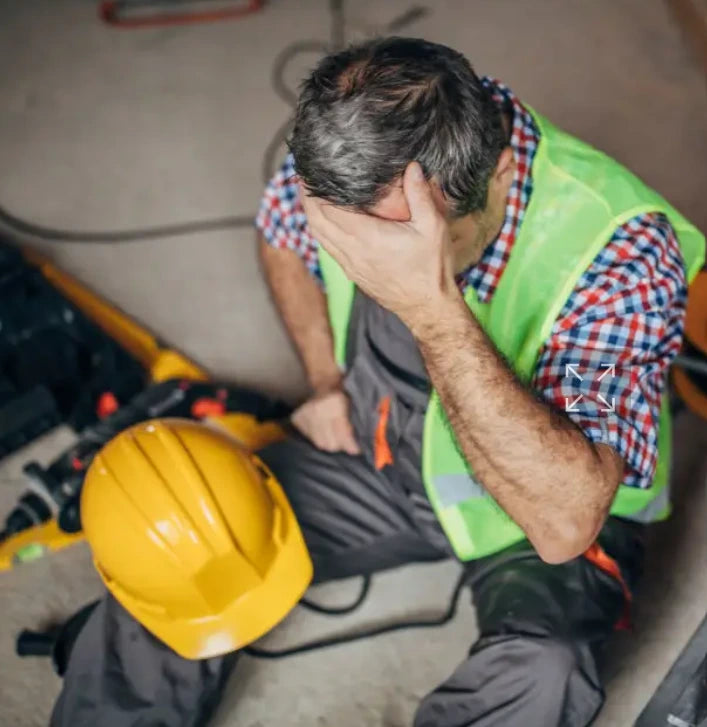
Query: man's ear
440, 201
502, 175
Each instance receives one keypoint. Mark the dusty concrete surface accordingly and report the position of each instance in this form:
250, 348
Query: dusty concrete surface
106, 129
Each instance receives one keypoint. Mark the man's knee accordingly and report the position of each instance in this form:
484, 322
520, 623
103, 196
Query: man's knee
518, 679
542, 663
551, 660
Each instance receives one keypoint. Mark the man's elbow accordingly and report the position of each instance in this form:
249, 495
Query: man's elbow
565, 542
572, 530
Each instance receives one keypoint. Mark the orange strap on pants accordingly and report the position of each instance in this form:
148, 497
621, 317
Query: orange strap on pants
602, 560
381, 450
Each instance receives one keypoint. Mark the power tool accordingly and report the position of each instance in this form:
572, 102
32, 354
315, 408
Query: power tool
54, 491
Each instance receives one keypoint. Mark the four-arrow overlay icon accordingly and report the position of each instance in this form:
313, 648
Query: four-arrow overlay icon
572, 406
570, 370
610, 368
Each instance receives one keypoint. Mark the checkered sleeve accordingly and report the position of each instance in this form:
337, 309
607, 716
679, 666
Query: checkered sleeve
606, 359
282, 221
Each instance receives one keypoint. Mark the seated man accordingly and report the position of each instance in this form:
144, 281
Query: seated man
486, 309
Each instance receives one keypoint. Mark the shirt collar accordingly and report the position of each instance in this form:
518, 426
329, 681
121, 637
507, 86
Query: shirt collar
485, 275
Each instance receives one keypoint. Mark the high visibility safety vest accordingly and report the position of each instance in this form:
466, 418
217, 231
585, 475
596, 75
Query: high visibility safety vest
580, 197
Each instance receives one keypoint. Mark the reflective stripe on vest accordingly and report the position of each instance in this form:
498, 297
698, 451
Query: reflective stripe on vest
455, 487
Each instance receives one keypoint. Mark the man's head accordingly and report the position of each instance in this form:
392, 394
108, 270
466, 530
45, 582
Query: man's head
365, 113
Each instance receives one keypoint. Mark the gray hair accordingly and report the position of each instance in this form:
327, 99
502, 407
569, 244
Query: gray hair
366, 112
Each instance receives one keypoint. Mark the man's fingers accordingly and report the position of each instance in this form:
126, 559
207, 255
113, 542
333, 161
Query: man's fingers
309, 203
328, 429
354, 224
319, 225
336, 225
418, 194
299, 422
318, 219
332, 238
346, 438
326, 441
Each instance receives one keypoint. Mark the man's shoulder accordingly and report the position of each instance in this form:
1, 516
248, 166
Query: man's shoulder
639, 270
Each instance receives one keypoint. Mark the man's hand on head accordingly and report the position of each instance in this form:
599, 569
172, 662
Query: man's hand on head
405, 266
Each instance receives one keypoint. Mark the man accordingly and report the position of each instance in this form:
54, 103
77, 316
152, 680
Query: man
486, 309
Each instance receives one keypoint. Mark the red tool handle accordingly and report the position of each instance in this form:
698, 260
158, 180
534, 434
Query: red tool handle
110, 12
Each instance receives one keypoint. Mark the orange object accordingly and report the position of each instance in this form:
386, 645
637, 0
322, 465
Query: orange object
694, 398
688, 387
202, 408
602, 560
107, 404
696, 316
381, 450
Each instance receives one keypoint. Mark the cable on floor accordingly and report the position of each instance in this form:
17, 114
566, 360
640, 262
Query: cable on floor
464, 579
277, 80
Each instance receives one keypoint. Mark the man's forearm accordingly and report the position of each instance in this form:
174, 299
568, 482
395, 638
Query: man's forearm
535, 462
302, 305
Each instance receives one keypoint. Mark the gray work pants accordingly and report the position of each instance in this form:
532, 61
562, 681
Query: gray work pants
533, 665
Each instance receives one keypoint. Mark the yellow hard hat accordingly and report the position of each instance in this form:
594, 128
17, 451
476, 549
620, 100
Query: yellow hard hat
193, 536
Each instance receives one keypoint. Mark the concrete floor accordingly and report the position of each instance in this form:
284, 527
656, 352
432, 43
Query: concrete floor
106, 129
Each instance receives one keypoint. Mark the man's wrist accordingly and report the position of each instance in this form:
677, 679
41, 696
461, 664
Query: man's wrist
323, 383
429, 320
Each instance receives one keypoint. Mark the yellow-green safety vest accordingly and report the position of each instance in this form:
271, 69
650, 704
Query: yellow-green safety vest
580, 197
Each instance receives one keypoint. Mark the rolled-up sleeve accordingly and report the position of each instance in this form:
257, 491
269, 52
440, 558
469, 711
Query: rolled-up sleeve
606, 361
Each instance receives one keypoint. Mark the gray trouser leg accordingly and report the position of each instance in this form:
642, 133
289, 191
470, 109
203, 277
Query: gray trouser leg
119, 675
518, 679
542, 628
353, 521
